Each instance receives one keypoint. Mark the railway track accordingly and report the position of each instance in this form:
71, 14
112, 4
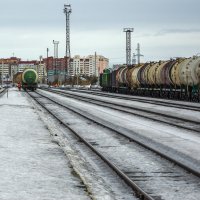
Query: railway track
172, 120
163, 102
143, 176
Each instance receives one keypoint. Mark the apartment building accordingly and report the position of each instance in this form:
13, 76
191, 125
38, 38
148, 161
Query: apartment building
91, 65
56, 69
11, 66
8, 68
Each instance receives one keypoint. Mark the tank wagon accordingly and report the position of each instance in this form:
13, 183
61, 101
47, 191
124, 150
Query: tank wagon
17, 78
29, 79
174, 79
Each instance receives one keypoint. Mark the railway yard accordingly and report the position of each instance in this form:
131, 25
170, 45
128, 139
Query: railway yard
87, 144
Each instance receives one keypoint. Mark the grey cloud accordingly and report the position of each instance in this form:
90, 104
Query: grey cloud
92, 17
174, 31
95, 14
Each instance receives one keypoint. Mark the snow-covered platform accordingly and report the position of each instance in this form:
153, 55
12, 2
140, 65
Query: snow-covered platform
32, 166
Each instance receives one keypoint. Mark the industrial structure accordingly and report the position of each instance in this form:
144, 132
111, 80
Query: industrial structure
134, 59
55, 48
138, 53
128, 45
67, 11
57, 73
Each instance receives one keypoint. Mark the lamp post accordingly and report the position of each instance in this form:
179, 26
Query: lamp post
42, 69
77, 73
73, 78
7, 76
77, 79
47, 67
2, 73
13, 77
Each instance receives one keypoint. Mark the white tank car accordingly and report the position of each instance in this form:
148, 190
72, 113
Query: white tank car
189, 72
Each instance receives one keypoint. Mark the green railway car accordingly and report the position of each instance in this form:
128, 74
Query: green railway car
29, 79
106, 78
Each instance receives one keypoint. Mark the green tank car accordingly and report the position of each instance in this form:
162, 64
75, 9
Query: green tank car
29, 79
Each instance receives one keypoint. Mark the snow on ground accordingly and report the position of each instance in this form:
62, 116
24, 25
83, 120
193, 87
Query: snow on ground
183, 143
186, 114
101, 182
32, 166
134, 97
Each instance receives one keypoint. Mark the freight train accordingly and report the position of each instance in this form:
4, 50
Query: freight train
29, 79
173, 79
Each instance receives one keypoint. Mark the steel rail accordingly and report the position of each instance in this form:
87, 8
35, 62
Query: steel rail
106, 104
115, 129
152, 101
138, 191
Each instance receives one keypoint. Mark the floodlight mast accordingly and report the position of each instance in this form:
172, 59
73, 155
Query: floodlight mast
128, 45
67, 11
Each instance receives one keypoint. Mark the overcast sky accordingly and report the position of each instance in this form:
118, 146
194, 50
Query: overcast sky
164, 28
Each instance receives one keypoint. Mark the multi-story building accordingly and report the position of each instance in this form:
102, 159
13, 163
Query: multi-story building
8, 68
39, 66
60, 69
11, 66
77, 65
56, 69
91, 65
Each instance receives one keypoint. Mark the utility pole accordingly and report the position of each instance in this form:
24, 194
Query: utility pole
47, 70
42, 70
128, 45
2, 73
96, 69
95, 63
77, 75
